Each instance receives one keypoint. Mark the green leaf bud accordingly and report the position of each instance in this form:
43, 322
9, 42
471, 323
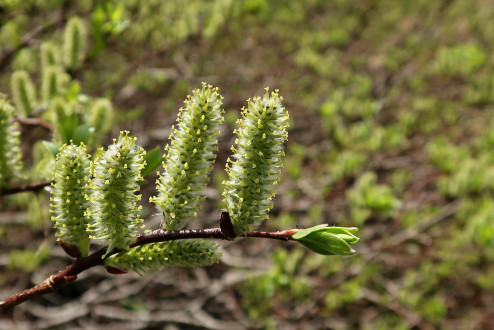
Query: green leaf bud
153, 256
75, 43
10, 155
116, 173
328, 240
68, 203
256, 167
189, 157
23, 92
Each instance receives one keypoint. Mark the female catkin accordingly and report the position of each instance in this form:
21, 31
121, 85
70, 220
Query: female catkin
23, 92
255, 167
68, 204
116, 175
75, 43
189, 157
153, 256
10, 155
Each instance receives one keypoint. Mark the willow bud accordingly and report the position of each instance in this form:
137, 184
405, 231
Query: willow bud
328, 240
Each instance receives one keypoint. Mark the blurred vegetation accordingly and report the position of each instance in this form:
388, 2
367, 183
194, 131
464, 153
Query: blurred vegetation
391, 104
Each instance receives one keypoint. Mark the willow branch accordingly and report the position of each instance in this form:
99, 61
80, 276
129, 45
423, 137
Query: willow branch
34, 187
69, 274
34, 122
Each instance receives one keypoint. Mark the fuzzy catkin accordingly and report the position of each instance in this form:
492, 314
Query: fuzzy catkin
75, 43
49, 54
10, 155
50, 83
255, 166
68, 204
100, 117
116, 176
23, 93
189, 157
153, 256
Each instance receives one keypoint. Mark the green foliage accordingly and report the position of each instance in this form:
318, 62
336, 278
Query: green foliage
153, 256
459, 60
367, 198
281, 283
70, 188
10, 155
28, 260
189, 157
480, 90
116, 173
255, 170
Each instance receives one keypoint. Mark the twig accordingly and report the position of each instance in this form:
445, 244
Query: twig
69, 274
34, 122
34, 187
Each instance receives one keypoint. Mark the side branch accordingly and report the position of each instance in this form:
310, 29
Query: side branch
70, 273
34, 187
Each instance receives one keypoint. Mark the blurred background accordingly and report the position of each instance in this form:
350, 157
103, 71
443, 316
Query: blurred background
392, 130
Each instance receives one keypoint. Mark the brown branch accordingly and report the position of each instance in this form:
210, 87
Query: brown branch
70, 273
34, 122
34, 187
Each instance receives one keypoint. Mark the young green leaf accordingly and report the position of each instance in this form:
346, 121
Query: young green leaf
153, 161
328, 240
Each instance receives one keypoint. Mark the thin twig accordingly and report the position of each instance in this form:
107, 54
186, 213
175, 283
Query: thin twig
34, 122
69, 274
34, 187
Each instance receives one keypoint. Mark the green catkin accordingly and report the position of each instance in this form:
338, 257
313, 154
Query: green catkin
257, 161
116, 174
68, 204
59, 109
100, 117
153, 256
23, 93
75, 43
189, 157
50, 83
49, 55
10, 155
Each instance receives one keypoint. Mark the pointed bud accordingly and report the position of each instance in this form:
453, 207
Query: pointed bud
71, 249
115, 270
328, 240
